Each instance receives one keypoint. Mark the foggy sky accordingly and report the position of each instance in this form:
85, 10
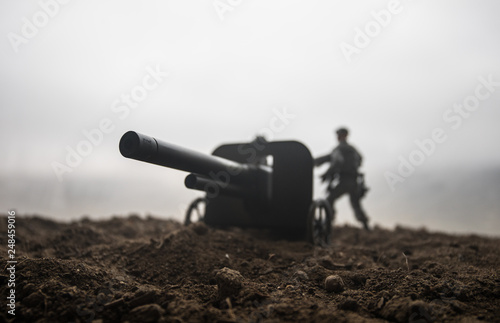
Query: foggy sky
227, 80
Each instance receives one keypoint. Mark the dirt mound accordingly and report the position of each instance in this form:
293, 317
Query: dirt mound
149, 270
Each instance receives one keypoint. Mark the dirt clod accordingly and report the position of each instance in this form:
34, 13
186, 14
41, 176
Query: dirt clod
229, 282
34, 299
301, 275
348, 304
199, 228
143, 297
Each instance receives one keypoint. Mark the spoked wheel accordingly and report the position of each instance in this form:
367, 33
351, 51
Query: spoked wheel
196, 211
319, 223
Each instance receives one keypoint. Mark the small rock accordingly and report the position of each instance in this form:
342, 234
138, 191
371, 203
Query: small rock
146, 313
229, 282
334, 283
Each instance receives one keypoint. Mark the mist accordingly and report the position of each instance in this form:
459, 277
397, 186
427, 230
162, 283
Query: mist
420, 96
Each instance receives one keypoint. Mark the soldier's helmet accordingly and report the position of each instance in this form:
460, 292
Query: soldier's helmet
342, 131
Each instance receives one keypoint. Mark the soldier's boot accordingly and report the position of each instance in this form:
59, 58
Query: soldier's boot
361, 217
365, 225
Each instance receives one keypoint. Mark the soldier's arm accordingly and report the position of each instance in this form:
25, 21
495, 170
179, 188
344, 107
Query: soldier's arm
321, 160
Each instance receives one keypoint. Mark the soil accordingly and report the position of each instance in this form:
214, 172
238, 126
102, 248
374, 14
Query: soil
152, 270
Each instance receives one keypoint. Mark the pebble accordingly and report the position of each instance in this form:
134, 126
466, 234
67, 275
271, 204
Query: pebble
334, 283
229, 282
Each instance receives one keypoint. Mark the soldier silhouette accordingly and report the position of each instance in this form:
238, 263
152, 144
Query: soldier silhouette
343, 177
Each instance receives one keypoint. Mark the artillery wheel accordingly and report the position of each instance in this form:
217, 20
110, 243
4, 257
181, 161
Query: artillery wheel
196, 211
319, 222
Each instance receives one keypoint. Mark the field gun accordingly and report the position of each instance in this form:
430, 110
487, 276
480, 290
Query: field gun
258, 184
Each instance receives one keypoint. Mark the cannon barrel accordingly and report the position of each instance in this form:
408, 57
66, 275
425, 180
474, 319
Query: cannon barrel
201, 183
212, 169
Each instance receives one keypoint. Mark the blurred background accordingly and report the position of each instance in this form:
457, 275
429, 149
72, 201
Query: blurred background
223, 71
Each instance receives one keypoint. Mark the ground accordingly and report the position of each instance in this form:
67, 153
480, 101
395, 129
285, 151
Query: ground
151, 270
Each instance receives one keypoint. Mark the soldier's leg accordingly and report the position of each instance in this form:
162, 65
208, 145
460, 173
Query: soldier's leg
334, 193
356, 206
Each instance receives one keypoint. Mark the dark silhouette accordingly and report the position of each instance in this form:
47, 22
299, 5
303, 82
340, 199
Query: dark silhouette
343, 176
242, 188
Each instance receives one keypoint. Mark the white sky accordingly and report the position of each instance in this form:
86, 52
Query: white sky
225, 79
